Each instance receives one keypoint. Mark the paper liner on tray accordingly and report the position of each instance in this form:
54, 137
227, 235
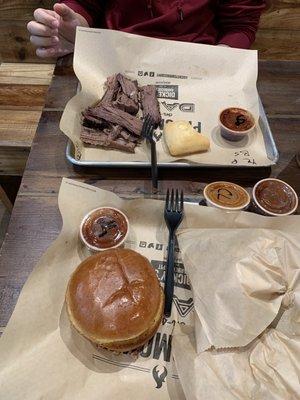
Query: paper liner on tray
41, 356
195, 83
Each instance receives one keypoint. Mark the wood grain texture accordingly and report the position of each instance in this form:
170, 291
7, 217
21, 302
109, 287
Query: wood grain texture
274, 44
17, 128
36, 222
5, 200
13, 160
279, 87
23, 88
282, 15
25, 97
14, 38
29, 74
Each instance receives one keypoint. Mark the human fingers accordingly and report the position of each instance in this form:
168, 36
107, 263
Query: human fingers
65, 12
41, 41
37, 29
46, 52
43, 17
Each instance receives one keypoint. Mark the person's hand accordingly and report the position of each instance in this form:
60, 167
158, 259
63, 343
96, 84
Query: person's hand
53, 31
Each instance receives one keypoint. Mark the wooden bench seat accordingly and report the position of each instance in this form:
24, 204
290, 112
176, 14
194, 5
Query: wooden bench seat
23, 88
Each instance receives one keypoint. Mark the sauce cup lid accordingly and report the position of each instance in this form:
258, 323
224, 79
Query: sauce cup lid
95, 248
270, 212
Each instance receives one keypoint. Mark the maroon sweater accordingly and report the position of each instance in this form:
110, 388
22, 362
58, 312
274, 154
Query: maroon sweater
231, 22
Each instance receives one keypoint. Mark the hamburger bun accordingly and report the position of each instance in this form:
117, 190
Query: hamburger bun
114, 300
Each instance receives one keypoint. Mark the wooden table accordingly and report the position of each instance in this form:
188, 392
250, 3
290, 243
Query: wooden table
36, 221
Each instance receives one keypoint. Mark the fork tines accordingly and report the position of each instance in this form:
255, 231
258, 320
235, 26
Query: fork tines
148, 127
174, 203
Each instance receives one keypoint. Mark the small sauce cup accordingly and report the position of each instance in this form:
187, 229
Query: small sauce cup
274, 197
226, 196
236, 123
104, 228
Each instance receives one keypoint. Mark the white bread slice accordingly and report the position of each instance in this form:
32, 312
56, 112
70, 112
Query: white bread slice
182, 139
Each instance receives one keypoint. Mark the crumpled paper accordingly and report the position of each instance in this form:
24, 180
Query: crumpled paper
266, 369
246, 288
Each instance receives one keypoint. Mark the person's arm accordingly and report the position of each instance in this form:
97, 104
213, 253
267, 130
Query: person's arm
238, 21
89, 9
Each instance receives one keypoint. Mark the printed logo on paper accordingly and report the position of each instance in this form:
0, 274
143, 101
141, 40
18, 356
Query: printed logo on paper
184, 107
183, 306
169, 106
167, 92
146, 73
158, 376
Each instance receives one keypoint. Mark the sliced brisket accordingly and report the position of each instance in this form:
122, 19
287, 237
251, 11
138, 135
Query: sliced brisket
129, 87
126, 104
149, 103
106, 138
112, 87
118, 117
112, 122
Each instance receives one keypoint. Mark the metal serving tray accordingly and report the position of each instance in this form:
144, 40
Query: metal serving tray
271, 149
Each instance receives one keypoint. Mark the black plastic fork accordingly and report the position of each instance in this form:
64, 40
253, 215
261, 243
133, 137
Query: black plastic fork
147, 133
173, 217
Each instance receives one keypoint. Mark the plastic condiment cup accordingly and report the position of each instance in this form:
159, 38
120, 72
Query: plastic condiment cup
211, 203
95, 248
263, 210
235, 135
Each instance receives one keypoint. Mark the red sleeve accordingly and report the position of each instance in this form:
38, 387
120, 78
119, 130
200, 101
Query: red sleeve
238, 21
91, 10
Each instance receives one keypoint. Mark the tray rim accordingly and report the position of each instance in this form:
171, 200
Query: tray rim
272, 153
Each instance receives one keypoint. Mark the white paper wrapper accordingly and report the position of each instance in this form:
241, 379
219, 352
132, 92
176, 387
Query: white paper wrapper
195, 83
267, 369
240, 278
246, 286
42, 357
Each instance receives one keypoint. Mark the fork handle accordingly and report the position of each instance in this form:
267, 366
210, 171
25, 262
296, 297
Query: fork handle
154, 171
169, 280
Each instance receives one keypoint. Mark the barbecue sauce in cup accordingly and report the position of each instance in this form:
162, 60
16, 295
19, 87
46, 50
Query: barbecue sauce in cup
226, 195
236, 123
104, 228
275, 197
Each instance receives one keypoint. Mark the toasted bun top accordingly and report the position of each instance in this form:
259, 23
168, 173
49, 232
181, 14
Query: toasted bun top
113, 296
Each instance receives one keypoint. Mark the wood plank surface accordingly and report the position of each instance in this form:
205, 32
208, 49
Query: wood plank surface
14, 38
274, 44
5, 200
13, 160
17, 128
23, 89
22, 96
36, 220
29, 74
279, 87
281, 15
